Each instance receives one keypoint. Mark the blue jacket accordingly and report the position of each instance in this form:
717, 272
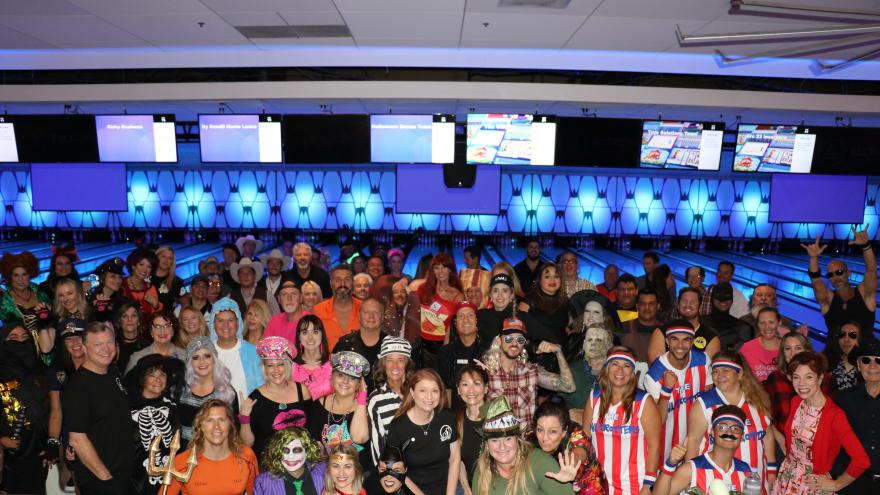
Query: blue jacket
253, 371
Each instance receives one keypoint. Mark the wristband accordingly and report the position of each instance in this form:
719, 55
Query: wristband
816, 274
650, 479
361, 398
665, 393
669, 468
866, 247
53, 442
245, 420
772, 467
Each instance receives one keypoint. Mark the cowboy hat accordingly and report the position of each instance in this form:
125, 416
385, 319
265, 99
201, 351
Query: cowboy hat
256, 266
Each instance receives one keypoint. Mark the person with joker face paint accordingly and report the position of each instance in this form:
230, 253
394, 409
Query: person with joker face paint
291, 463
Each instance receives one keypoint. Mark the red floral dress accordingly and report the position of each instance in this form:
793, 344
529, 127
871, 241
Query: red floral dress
589, 479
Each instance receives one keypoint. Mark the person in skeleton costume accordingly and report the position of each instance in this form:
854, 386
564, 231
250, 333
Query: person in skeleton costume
23, 412
153, 414
291, 465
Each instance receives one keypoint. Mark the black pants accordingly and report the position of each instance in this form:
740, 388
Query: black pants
863, 485
24, 475
118, 485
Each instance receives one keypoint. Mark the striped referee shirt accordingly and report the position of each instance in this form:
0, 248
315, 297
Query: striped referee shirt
381, 407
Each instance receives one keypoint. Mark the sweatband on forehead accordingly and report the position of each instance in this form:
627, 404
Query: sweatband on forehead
621, 356
726, 363
684, 330
729, 417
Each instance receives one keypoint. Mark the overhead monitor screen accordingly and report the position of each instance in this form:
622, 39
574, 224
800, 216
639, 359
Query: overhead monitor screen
230, 138
412, 138
136, 138
8, 148
511, 139
681, 145
774, 148
311, 139
68, 138
598, 142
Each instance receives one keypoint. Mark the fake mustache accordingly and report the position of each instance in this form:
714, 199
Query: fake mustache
728, 436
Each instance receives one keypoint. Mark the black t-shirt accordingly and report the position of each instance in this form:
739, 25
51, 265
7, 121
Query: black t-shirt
471, 443
266, 413
453, 357
97, 405
427, 455
126, 349
316, 275
307, 487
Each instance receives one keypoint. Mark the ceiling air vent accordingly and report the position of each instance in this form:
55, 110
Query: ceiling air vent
328, 31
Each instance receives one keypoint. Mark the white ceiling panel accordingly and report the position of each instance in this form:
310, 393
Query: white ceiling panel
518, 30
408, 42
268, 5
576, 7
72, 31
181, 29
437, 25
312, 18
134, 7
39, 7
253, 18
705, 10
282, 43
392, 6
14, 40
649, 35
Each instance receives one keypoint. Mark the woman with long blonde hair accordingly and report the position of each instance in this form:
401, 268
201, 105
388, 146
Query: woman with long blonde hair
734, 384
70, 301
345, 475
626, 425
169, 285
510, 465
192, 325
256, 319
424, 421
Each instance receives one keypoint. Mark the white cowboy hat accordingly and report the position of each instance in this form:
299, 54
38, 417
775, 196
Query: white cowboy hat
276, 254
248, 238
256, 266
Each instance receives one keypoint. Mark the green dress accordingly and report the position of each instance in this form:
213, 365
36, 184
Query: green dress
535, 482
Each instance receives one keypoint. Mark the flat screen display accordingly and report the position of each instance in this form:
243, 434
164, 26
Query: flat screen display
681, 145
136, 138
595, 142
8, 148
774, 148
412, 138
420, 189
511, 139
311, 139
847, 150
79, 187
793, 198
55, 138
229, 138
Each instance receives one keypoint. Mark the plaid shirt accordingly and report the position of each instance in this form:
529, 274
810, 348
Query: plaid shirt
781, 391
520, 387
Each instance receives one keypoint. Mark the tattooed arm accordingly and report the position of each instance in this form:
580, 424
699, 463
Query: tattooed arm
562, 381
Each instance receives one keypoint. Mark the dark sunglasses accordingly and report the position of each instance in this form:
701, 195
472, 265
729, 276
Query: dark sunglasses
852, 335
509, 339
838, 273
866, 360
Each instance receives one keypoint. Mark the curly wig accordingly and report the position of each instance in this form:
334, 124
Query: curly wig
271, 458
25, 259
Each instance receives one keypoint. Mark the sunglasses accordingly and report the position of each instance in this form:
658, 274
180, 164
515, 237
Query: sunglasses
838, 273
852, 335
509, 339
866, 360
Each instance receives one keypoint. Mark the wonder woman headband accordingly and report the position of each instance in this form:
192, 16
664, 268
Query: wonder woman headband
341, 457
621, 356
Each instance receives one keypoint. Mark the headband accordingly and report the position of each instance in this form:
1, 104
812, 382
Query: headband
729, 417
680, 329
342, 457
621, 356
726, 363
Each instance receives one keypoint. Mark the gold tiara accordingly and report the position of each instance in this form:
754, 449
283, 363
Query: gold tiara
341, 457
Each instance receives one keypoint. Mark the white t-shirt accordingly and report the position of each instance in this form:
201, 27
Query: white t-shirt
232, 359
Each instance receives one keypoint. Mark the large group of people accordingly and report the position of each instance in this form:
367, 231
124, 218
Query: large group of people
283, 375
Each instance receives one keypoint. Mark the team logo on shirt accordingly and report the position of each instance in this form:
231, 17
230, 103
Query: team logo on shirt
60, 376
445, 433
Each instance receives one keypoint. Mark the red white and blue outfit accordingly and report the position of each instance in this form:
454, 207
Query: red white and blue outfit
692, 381
703, 471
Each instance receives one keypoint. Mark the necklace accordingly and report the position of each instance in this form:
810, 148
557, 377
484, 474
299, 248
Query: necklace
426, 428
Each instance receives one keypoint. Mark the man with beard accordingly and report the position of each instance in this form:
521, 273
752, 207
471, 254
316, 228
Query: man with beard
511, 375
676, 379
637, 333
303, 269
527, 270
340, 312
24, 419
845, 302
732, 332
627, 291
275, 264
764, 296
688, 308
461, 351
597, 341
96, 416
728, 427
